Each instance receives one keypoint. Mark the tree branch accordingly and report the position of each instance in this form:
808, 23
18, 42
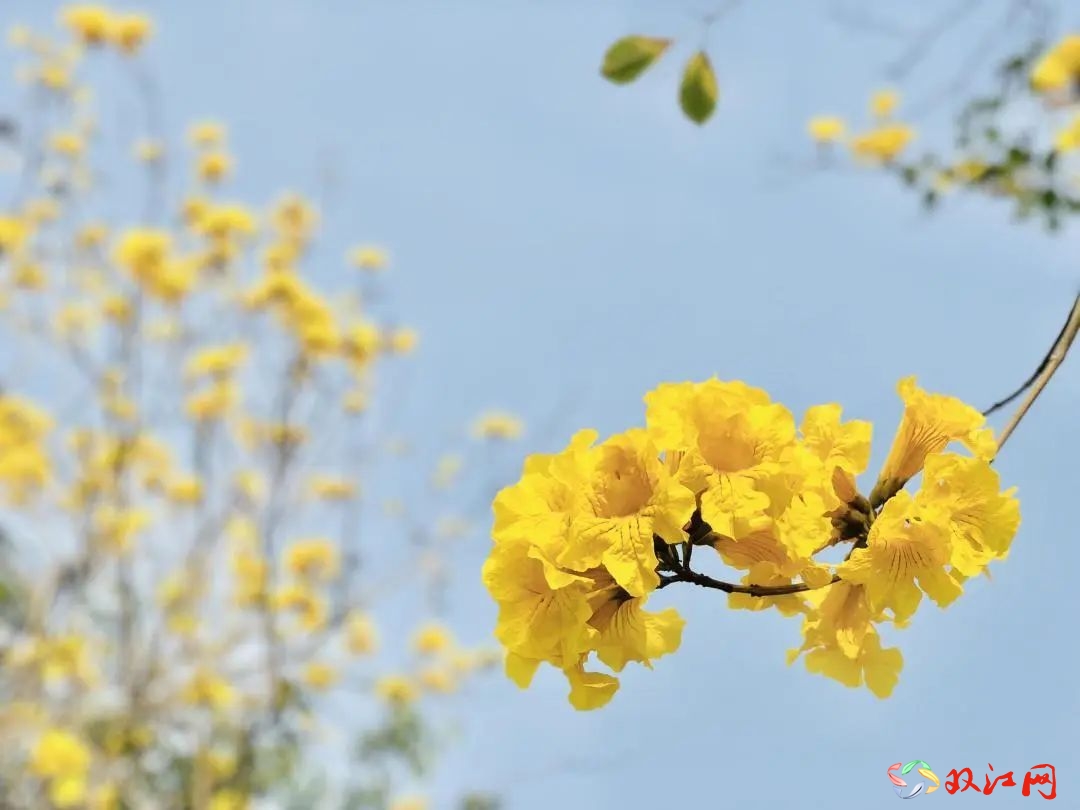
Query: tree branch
705, 581
1047, 368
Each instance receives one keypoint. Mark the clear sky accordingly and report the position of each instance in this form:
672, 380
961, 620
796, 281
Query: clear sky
555, 237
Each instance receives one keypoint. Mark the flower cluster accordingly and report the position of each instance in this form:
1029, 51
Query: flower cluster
882, 143
587, 535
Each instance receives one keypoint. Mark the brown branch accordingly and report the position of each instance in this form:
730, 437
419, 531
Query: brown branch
705, 581
1046, 370
1030, 381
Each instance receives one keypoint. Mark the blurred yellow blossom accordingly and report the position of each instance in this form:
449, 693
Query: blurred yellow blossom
90, 23
431, 638
884, 143
883, 103
369, 257
361, 637
208, 689
826, 128
206, 134
312, 559
497, 425
320, 676
213, 167
129, 32
396, 689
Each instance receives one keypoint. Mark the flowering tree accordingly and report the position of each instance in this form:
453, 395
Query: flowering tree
186, 423
586, 535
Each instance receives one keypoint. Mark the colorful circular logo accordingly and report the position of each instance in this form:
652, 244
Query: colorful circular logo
903, 790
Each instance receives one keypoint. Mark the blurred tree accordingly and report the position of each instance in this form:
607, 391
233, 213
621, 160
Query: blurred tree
187, 428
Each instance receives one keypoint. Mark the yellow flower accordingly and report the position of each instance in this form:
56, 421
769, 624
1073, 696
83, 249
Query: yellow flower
214, 403
332, 488
209, 690
878, 667
294, 218
909, 542
361, 637
883, 144
69, 144
250, 572
144, 253
217, 361
725, 441
396, 690
497, 425
13, 234
355, 402
438, 679
320, 676
312, 559
368, 257
981, 519
60, 755
930, 423
206, 134
626, 495
228, 799
403, 341
117, 528
1068, 139
91, 236
213, 167
883, 103
129, 32
90, 23
1059, 68
431, 638
185, 490
826, 128
409, 803
309, 608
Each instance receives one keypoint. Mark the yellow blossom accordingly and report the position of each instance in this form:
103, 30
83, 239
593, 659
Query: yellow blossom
497, 425
90, 23
320, 676
369, 257
208, 689
431, 638
312, 559
884, 143
361, 637
213, 167
396, 689
129, 32
884, 103
403, 341
826, 128
206, 134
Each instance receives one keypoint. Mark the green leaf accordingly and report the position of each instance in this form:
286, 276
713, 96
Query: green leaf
631, 56
699, 91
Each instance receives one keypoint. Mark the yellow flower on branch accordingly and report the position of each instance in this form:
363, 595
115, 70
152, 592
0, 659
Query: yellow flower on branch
585, 535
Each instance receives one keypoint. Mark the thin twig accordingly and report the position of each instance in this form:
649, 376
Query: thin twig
1047, 369
1030, 381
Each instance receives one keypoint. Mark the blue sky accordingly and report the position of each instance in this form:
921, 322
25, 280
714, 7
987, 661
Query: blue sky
557, 239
